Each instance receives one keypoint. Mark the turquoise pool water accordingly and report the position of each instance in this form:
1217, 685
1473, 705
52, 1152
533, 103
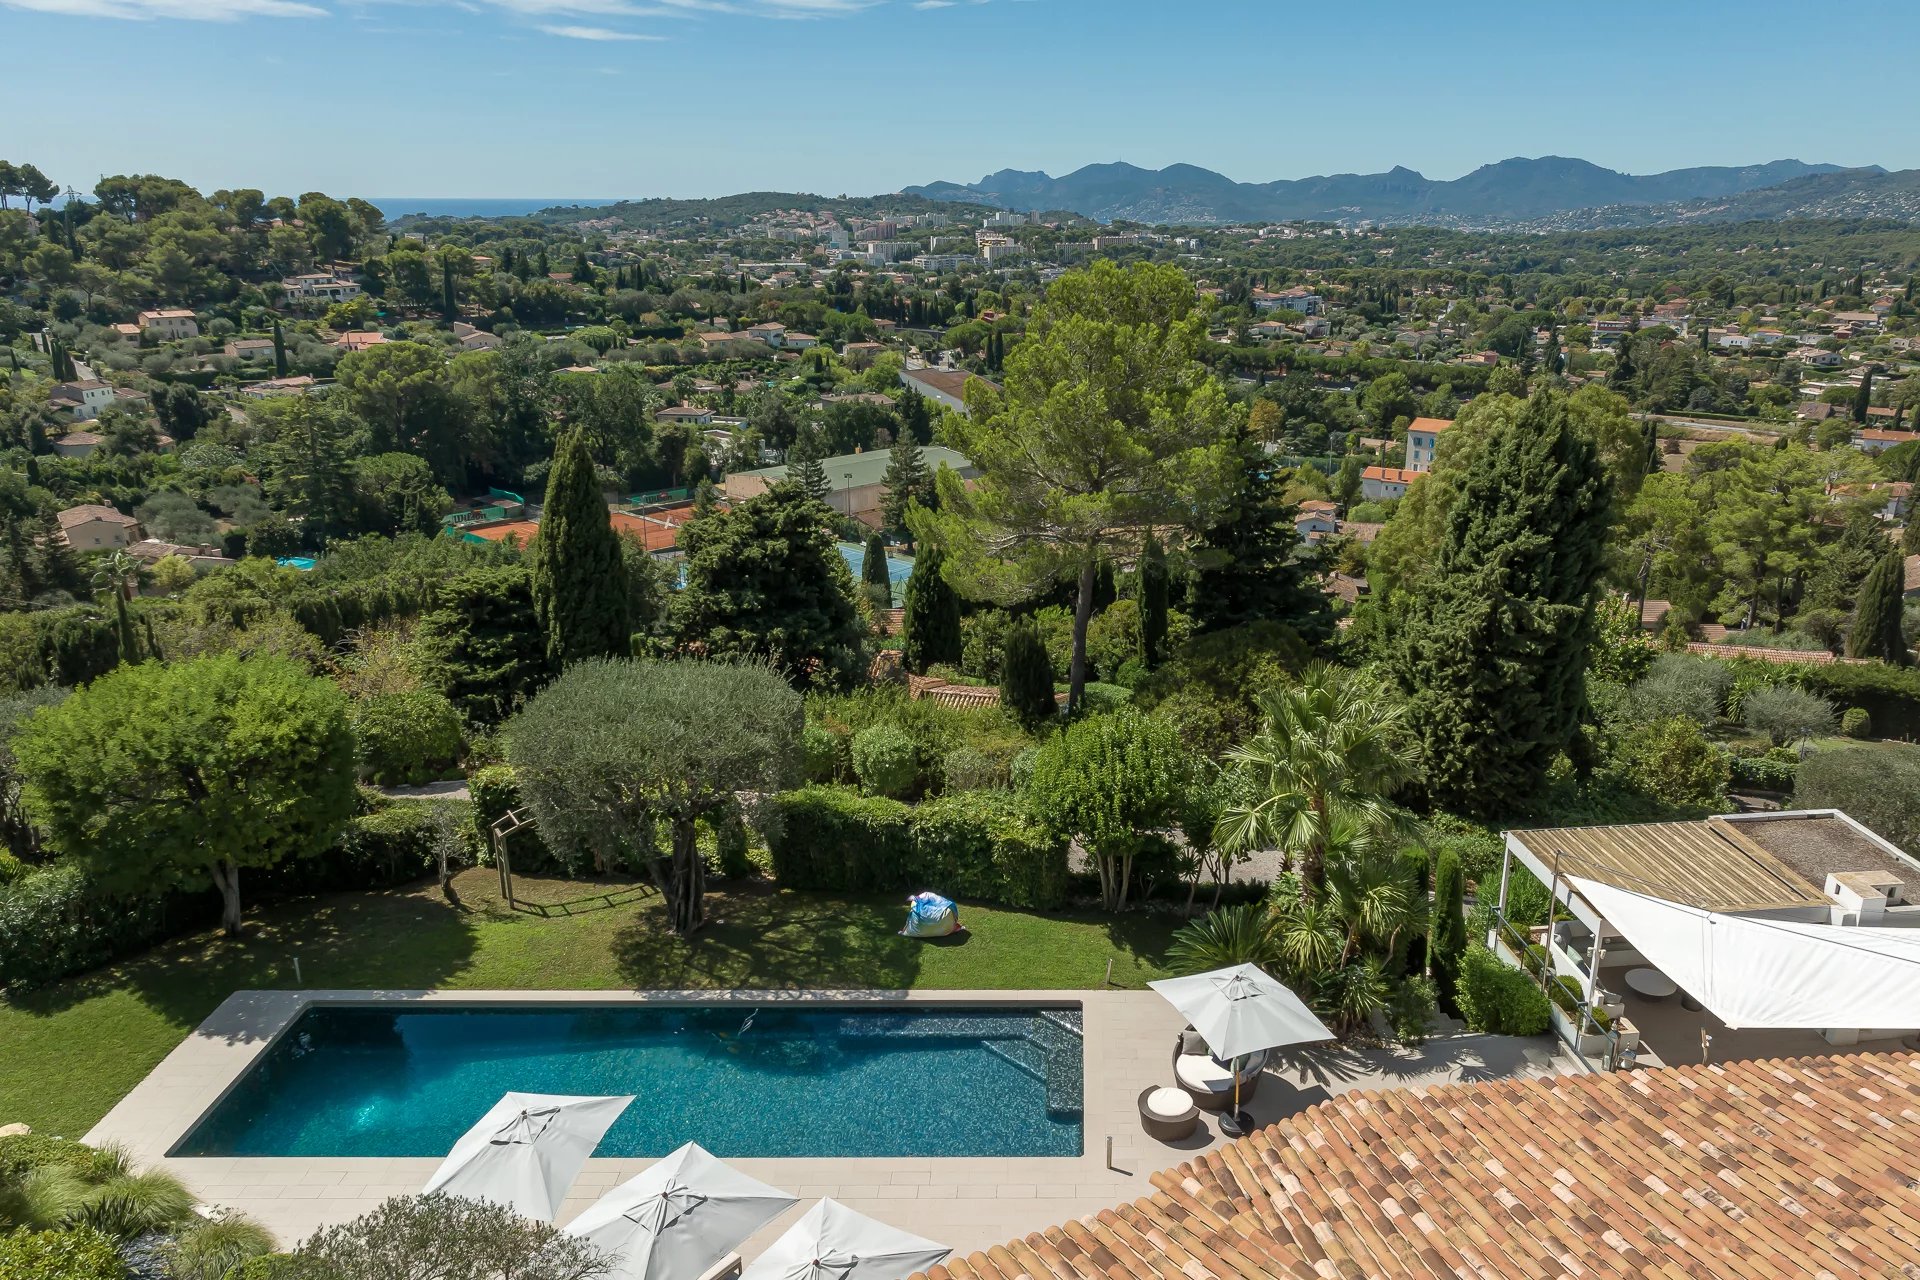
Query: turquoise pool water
376, 1081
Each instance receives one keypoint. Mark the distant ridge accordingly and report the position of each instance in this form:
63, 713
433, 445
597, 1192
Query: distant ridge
1508, 192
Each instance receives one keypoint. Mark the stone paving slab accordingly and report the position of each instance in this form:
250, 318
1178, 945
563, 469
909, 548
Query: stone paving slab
966, 1202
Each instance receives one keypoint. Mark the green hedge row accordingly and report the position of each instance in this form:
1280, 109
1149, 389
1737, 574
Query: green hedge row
980, 845
58, 920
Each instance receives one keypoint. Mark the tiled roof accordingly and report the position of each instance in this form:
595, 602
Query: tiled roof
1432, 426
75, 516
1755, 1170
1391, 475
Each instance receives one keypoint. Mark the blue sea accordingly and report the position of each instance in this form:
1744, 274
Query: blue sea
387, 1081
479, 207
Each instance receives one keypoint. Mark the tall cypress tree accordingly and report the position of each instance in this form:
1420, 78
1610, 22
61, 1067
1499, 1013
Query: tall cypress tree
579, 577
1153, 602
1026, 675
930, 621
1876, 622
1863, 398
873, 571
1493, 646
1248, 563
279, 350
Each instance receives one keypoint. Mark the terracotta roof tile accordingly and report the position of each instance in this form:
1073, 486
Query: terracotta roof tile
1735, 1171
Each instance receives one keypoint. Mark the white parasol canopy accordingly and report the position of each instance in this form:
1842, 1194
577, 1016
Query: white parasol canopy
680, 1217
527, 1150
832, 1242
1754, 972
1241, 1010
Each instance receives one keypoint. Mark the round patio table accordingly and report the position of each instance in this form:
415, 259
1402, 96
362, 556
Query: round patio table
1651, 983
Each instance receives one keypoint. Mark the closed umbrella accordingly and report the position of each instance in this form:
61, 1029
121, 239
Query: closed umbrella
1241, 1010
679, 1218
832, 1242
526, 1151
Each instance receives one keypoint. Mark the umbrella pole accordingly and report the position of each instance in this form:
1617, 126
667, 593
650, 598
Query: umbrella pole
1236, 1124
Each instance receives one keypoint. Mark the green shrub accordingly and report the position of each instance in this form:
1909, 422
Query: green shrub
981, 845
1496, 998
836, 839
971, 769
213, 1248
1672, 761
407, 737
1787, 713
885, 761
1101, 698
1773, 771
983, 643
495, 791
58, 920
24, 1151
1877, 785
79, 1253
826, 754
1855, 722
1026, 676
1679, 684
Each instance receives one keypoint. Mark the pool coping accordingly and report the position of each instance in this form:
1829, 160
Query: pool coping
967, 1201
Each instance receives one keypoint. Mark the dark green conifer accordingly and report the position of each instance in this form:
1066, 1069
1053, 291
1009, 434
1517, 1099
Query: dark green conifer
930, 620
1492, 649
1876, 622
1026, 675
579, 576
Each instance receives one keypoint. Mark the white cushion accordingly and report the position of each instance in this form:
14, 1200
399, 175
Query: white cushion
1198, 1071
1203, 1073
1169, 1102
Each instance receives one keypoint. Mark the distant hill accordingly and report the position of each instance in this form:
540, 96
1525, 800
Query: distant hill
1848, 193
1516, 190
737, 210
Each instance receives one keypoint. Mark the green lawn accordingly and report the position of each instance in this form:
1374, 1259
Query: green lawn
69, 1052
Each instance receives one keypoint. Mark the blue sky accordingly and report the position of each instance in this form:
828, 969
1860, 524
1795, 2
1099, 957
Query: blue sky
705, 97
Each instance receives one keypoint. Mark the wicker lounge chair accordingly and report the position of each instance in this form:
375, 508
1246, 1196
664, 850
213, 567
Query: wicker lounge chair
1208, 1081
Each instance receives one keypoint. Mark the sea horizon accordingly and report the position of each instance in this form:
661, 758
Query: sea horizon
480, 206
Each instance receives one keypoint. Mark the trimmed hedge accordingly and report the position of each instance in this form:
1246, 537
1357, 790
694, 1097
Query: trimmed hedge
978, 844
1497, 998
57, 920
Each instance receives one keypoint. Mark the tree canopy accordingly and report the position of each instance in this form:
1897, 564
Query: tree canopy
168, 771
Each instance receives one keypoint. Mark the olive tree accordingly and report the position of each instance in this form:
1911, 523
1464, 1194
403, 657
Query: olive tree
160, 772
614, 747
441, 1237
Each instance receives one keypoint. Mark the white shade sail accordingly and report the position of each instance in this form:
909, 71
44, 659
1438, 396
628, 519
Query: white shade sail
1783, 974
1241, 1010
832, 1242
526, 1151
679, 1218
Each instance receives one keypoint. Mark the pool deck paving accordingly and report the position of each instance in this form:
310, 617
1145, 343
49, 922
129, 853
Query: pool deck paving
966, 1202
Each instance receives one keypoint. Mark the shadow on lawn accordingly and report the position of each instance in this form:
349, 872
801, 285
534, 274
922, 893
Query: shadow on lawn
764, 940
398, 938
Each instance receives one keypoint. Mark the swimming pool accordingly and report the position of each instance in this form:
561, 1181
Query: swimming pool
359, 1080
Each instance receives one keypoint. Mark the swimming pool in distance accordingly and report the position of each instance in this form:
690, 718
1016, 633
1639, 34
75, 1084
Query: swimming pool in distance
818, 1081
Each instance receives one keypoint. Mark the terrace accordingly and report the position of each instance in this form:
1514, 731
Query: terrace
1614, 1007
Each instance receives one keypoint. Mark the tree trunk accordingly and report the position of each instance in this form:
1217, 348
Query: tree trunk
686, 880
226, 878
1082, 614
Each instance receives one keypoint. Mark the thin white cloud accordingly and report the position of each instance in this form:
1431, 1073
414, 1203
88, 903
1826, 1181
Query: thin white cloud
596, 33
185, 10
936, 4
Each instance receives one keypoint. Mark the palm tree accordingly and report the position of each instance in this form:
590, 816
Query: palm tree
1330, 750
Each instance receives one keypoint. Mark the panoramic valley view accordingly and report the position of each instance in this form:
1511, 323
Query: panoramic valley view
1309, 678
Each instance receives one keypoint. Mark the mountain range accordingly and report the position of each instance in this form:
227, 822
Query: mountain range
1541, 191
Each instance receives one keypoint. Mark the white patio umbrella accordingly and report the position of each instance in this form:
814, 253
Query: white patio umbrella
680, 1217
832, 1242
527, 1150
1242, 1010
